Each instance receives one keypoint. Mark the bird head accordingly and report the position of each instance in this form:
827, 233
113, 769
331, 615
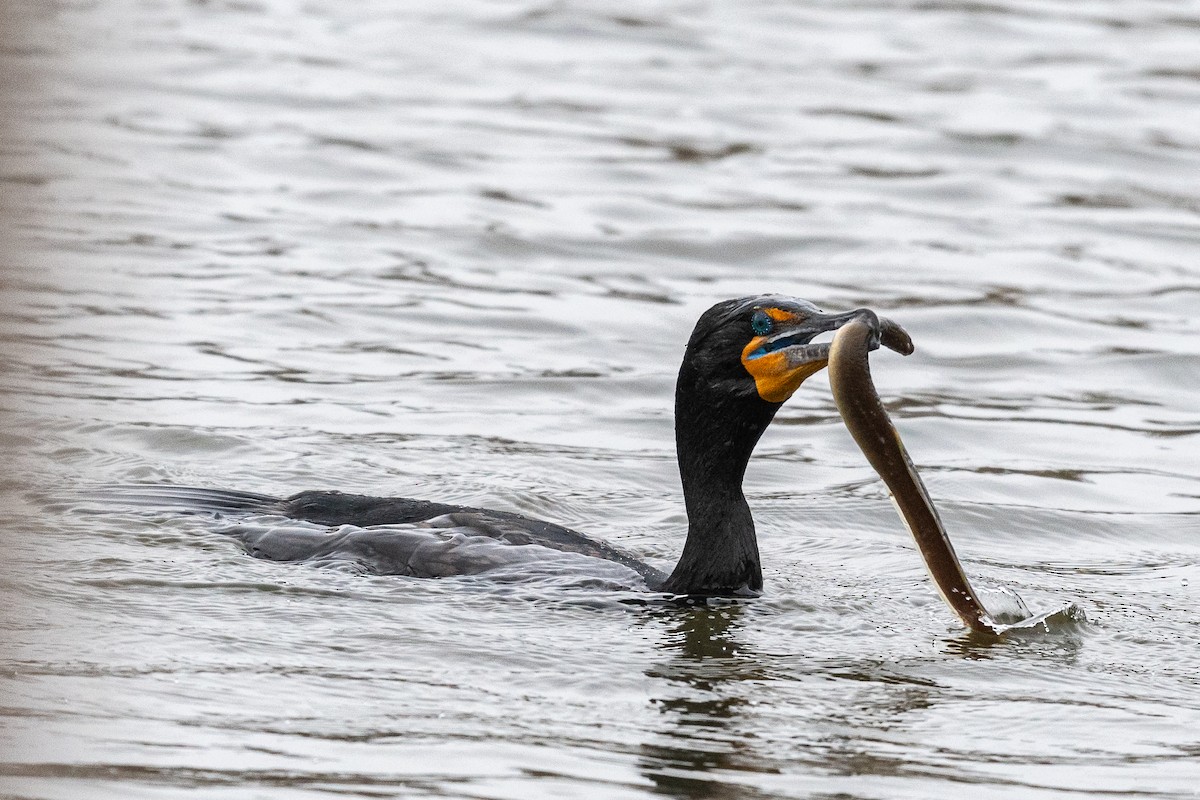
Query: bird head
762, 347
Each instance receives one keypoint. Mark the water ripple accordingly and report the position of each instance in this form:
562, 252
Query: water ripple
454, 252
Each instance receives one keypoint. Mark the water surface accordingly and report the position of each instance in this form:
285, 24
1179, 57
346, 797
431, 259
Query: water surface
455, 251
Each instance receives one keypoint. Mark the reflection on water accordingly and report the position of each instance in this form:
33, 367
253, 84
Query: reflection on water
704, 674
454, 252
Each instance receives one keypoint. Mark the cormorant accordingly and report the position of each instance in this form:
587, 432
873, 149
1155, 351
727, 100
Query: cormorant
744, 358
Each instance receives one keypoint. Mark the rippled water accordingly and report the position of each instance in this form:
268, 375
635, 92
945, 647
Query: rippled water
454, 250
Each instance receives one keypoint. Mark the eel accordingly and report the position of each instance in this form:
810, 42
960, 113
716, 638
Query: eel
863, 412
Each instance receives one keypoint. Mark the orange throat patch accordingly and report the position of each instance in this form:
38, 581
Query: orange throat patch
775, 377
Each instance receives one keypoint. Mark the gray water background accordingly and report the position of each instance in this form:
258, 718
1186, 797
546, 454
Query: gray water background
454, 250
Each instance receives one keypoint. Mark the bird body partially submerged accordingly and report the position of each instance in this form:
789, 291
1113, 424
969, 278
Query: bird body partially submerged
744, 358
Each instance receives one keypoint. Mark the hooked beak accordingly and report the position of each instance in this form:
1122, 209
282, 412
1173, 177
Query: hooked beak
781, 361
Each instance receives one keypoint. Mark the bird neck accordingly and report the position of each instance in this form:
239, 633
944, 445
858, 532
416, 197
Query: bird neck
714, 442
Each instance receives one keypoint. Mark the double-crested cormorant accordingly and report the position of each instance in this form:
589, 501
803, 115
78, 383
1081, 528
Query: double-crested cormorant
745, 358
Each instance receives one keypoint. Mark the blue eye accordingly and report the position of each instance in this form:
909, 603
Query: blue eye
761, 323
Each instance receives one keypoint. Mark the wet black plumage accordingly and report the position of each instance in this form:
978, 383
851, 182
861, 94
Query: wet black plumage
719, 415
